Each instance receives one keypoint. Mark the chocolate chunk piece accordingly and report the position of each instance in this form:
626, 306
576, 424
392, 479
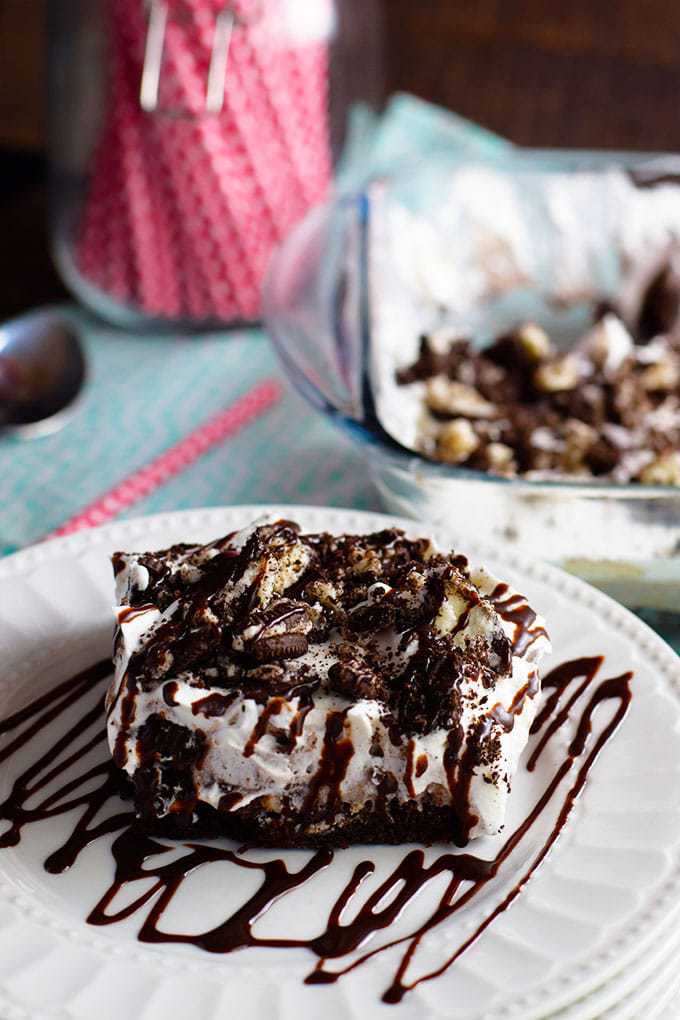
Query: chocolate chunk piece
660, 309
353, 677
282, 646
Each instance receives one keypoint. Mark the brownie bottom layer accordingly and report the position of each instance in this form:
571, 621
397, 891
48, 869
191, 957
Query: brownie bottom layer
391, 822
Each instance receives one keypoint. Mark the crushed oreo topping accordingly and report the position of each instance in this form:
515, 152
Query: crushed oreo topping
608, 409
379, 616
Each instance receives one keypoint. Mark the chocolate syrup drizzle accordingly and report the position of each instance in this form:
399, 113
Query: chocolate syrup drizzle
138, 857
514, 609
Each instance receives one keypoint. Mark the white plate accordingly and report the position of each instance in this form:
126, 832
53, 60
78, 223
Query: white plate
612, 878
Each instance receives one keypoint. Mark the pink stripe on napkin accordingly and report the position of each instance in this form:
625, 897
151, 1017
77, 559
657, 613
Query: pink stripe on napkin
144, 481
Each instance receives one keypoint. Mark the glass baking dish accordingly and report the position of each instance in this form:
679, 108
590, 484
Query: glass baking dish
625, 538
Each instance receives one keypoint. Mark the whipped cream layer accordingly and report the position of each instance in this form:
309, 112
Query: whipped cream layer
323, 699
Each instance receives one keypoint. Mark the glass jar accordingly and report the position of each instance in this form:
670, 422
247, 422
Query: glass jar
188, 136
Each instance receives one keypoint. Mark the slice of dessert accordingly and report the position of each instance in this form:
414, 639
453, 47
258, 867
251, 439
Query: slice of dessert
300, 690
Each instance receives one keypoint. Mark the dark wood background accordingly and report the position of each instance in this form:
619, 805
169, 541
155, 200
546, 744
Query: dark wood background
594, 73
591, 73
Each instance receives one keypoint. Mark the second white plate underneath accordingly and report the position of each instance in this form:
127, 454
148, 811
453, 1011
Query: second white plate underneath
647, 971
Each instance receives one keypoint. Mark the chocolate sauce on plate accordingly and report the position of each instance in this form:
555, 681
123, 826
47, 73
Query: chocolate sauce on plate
138, 857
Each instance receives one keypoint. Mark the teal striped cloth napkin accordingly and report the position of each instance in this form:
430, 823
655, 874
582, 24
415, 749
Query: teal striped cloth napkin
145, 393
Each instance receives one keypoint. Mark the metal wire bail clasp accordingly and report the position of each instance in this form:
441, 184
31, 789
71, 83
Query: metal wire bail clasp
153, 60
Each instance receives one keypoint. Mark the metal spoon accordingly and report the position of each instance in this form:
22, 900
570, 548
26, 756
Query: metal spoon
42, 371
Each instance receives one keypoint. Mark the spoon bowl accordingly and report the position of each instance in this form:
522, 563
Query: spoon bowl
42, 371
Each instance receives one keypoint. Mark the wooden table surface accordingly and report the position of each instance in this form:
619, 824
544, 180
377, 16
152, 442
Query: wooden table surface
542, 72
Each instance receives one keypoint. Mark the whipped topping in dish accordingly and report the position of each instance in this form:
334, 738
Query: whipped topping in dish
320, 680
